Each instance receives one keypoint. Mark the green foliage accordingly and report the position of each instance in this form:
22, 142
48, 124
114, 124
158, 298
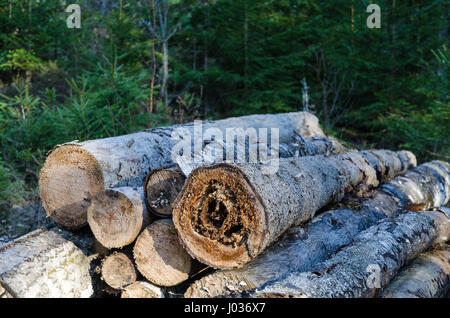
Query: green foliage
384, 87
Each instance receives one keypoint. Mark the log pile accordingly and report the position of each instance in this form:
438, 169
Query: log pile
138, 218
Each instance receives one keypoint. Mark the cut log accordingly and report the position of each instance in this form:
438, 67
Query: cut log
428, 276
303, 247
227, 214
74, 172
118, 270
142, 289
117, 216
369, 263
159, 255
162, 187
46, 264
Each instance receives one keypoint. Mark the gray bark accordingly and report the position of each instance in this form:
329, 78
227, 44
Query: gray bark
74, 172
369, 263
303, 247
209, 213
428, 276
46, 264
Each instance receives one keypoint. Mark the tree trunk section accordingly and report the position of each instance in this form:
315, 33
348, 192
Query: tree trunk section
46, 264
369, 263
74, 172
162, 187
428, 276
118, 270
303, 247
227, 214
117, 216
159, 255
142, 289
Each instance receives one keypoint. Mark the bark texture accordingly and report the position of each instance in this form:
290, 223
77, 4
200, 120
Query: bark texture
303, 247
162, 187
159, 255
74, 172
428, 276
118, 270
117, 216
369, 263
45, 264
227, 214
142, 289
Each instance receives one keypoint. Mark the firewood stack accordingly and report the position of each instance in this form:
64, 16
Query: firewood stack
136, 221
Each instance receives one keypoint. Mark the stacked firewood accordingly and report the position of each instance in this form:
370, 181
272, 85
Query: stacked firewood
330, 221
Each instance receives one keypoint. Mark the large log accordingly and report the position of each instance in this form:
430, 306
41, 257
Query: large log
228, 213
74, 172
46, 263
428, 276
159, 255
117, 216
369, 263
303, 247
142, 289
118, 270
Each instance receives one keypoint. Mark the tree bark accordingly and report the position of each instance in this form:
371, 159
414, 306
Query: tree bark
227, 214
46, 264
159, 255
142, 289
162, 186
303, 247
74, 172
370, 262
117, 216
428, 276
118, 270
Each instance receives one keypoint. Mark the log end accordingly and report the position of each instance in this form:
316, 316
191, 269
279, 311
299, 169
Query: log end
142, 290
118, 270
162, 187
113, 218
219, 217
71, 176
159, 255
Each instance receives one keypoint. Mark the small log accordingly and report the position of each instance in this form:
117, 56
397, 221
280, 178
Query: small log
46, 264
159, 255
428, 276
117, 216
369, 263
118, 270
303, 247
142, 289
75, 172
162, 187
227, 214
